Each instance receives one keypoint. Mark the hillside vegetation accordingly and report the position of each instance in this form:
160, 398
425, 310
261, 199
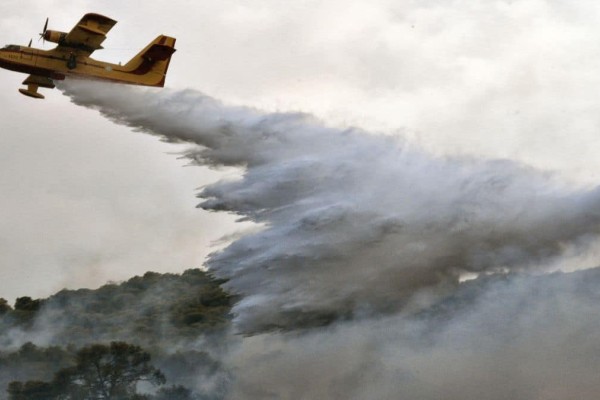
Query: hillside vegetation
181, 321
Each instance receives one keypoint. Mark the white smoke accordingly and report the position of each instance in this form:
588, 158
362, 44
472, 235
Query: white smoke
355, 223
519, 339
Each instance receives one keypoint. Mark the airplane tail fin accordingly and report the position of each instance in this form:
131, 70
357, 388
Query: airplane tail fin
151, 64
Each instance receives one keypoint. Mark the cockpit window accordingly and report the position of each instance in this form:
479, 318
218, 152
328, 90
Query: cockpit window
12, 47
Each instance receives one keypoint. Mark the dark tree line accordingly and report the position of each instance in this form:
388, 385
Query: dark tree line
147, 307
102, 372
165, 314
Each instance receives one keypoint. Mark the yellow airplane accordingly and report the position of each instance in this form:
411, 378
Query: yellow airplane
71, 58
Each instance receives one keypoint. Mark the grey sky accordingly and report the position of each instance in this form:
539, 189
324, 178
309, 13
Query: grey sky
83, 201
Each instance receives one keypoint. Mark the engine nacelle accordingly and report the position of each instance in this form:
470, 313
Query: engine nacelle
55, 36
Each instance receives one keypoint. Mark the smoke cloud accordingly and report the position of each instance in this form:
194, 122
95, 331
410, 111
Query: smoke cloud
518, 338
353, 223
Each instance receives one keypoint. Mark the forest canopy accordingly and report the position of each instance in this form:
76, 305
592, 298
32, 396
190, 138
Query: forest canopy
178, 321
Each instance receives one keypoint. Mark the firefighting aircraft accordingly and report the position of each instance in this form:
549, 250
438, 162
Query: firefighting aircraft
71, 58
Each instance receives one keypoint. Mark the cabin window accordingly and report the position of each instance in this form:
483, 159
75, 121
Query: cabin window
12, 47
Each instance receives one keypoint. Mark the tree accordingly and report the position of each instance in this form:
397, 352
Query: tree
112, 372
4, 306
27, 304
101, 372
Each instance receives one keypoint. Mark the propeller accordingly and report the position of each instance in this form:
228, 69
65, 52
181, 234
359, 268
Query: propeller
44, 32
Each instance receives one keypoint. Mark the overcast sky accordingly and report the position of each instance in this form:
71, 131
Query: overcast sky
84, 201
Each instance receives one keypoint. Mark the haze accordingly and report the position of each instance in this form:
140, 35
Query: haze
84, 201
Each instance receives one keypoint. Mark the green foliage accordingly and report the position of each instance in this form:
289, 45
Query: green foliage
31, 362
159, 312
107, 372
100, 372
27, 304
23, 314
146, 308
4, 306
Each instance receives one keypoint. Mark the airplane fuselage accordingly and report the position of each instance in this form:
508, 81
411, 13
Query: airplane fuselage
56, 65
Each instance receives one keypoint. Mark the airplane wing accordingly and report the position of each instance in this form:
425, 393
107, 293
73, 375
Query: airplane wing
88, 35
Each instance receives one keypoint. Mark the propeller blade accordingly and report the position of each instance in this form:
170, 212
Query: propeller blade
44, 31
